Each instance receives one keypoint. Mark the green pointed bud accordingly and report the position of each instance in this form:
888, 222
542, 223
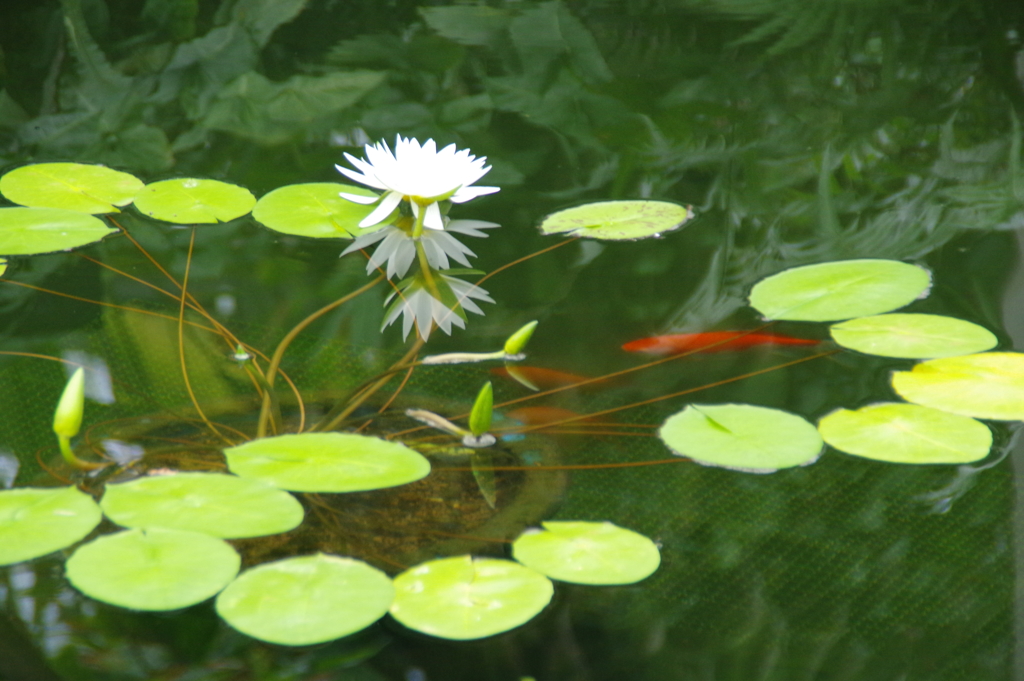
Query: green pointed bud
67, 420
480, 416
517, 341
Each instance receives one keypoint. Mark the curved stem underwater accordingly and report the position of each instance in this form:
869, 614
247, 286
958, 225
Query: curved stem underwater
275, 360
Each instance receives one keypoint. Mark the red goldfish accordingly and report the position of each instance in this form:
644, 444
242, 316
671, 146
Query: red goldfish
538, 378
540, 416
678, 343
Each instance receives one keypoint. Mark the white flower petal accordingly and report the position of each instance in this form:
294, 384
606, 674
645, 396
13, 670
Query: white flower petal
436, 257
381, 212
468, 193
421, 171
433, 217
357, 198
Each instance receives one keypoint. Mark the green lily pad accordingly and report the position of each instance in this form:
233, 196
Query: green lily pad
71, 186
839, 290
189, 201
38, 521
224, 506
3, 266
618, 220
464, 598
305, 600
587, 553
989, 385
914, 336
742, 437
28, 231
315, 210
153, 569
327, 462
906, 433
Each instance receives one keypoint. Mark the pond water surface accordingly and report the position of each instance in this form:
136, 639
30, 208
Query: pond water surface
799, 132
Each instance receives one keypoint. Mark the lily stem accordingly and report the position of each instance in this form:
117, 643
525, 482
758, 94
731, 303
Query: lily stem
275, 360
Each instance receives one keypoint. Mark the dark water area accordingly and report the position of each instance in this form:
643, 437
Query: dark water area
800, 133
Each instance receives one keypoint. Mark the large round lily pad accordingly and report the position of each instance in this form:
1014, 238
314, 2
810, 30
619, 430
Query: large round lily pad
38, 521
306, 600
906, 433
618, 220
189, 201
315, 210
914, 336
988, 385
327, 462
220, 505
587, 552
839, 290
27, 231
153, 569
742, 437
465, 598
71, 186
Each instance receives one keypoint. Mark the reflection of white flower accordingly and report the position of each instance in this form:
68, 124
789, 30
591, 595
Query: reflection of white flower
398, 249
421, 175
416, 304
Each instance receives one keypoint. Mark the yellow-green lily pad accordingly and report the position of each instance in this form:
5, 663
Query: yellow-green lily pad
37, 521
71, 186
189, 201
465, 598
28, 231
315, 210
906, 433
305, 600
224, 506
327, 462
988, 385
153, 569
913, 336
618, 220
845, 289
742, 437
587, 552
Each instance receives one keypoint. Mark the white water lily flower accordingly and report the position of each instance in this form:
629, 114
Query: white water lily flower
421, 175
417, 305
398, 249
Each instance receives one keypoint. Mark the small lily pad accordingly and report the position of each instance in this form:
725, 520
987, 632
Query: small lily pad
742, 437
906, 433
327, 462
153, 569
189, 201
306, 600
988, 385
37, 521
913, 336
315, 210
618, 220
587, 552
839, 290
224, 506
28, 231
71, 186
464, 598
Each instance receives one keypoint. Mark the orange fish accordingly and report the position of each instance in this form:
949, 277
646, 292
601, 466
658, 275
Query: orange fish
539, 416
538, 378
678, 343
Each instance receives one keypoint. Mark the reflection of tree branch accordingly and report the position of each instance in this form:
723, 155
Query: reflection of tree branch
19, 656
